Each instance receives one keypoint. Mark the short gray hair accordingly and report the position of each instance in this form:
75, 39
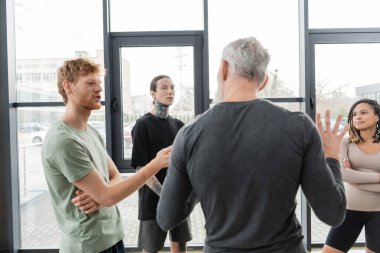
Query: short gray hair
248, 58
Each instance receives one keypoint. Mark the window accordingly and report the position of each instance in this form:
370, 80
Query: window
138, 67
344, 13
344, 73
163, 15
48, 33
46, 36
274, 23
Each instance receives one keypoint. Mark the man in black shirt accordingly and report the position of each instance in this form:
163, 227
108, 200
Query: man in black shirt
153, 131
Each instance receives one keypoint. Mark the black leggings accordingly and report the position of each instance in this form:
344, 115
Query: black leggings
344, 236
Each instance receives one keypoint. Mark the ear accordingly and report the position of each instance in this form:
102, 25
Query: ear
66, 86
152, 93
223, 70
264, 83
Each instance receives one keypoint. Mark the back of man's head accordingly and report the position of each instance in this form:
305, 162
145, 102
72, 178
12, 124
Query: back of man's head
248, 58
71, 70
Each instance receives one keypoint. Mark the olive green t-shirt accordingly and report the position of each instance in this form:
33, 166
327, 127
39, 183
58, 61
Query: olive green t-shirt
68, 155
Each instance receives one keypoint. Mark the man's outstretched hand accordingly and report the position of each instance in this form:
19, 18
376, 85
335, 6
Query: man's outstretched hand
331, 138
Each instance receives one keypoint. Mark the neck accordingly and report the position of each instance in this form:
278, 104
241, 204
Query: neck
76, 118
160, 110
239, 89
368, 135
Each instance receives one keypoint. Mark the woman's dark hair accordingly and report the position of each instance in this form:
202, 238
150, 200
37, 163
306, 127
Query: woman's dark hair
354, 134
153, 83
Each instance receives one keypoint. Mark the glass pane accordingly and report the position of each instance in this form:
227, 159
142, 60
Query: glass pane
34, 197
46, 36
253, 20
339, 83
151, 15
37, 217
139, 65
344, 13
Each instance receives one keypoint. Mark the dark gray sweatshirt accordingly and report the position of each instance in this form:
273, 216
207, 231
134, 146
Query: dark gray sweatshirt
244, 162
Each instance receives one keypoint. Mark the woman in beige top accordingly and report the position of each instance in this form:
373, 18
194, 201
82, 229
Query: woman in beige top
360, 154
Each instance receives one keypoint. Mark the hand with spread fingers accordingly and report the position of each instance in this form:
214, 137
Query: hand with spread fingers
331, 138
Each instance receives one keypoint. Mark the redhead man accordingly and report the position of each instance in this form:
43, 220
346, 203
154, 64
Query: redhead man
83, 181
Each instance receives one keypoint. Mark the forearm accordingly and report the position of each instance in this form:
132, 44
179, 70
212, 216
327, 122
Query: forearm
368, 187
353, 176
110, 194
126, 187
115, 179
154, 185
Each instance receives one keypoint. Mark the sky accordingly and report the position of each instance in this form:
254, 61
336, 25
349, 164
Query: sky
56, 29
350, 65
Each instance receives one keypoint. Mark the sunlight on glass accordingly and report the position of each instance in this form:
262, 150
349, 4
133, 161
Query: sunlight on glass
46, 36
274, 23
163, 15
344, 73
344, 13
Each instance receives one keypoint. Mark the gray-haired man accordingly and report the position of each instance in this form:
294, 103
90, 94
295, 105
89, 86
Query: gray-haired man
245, 159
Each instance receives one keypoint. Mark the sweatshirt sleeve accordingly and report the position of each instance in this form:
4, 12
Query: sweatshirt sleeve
321, 180
177, 197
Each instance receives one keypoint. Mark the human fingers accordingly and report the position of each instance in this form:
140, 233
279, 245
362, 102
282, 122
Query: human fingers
88, 206
82, 203
337, 123
78, 198
327, 121
319, 122
344, 131
82, 200
168, 149
164, 151
165, 160
346, 163
92, 209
